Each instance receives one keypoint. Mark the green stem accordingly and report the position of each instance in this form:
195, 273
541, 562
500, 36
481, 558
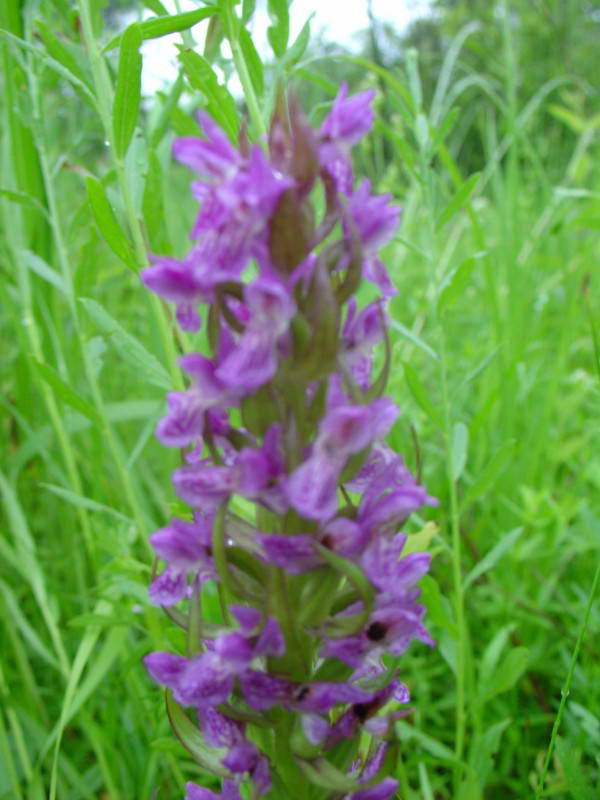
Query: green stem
105, 96
232, 24
459, 607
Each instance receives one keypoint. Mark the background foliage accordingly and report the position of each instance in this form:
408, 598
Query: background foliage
488, 135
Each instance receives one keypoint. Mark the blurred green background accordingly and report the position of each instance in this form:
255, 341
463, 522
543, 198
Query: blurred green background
487, 132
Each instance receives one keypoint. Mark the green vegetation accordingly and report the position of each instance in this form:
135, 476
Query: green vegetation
488, 134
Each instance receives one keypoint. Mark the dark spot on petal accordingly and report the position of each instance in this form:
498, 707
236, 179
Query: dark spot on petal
376, 631
361, 710
303, 693
327, 541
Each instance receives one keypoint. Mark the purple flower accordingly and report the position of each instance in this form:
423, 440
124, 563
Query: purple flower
318, 698
239, 208
213, 157
373, 218
296, 554
195, 792
387, 571
208, 390
204, 487
315, 728
263, 691
375, 271
242, 756
363, 331
208, 679
247, 617
384, 790
184, 421
168, 588
348, 121
350, 118
175, 280
393, 624
165, 668
312, 488
270, 304
218, 730
251, 364
348, 429
270, 641
345, 536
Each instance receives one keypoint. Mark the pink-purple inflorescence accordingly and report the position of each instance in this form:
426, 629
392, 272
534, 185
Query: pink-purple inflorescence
284, 412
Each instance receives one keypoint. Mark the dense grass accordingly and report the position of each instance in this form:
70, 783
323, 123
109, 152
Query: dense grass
494, 368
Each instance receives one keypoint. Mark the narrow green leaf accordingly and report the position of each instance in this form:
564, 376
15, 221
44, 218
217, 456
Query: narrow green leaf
414, 339
407, 732
182, 124
460, 444
419, 393
298, 47
594, 332
98, 668
444, 129
10, 783
157, 7
458, 200
414, 78
322, 773
278, 33
61, 53
253, 62
419, 541
23, 199
129, 89
357, 578
165, 24
438, 608
153, 205
508, 672
248, 7
45, 271
82, 657
28, 632
572, 120
52, 63
191, 738
79, 501
107, 222
455, 284
26, 561
491, 655
484, 748
215, 34
490, 560
129, 348
65, 393
220, 103
490, 473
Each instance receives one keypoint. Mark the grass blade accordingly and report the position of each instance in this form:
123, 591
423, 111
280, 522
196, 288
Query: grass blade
129, 348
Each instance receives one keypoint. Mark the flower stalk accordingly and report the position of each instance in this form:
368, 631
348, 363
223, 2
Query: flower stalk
283, 411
